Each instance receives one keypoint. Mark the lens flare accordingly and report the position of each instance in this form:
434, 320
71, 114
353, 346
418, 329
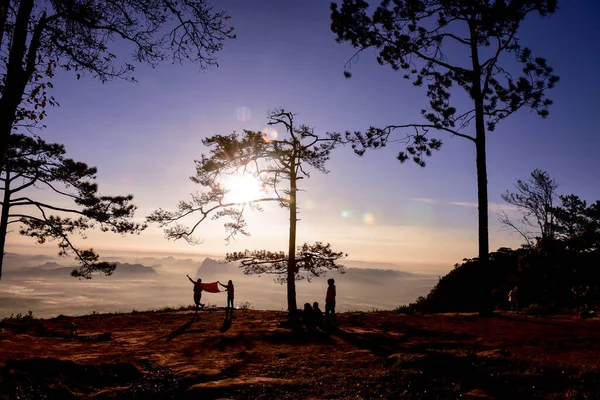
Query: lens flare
269, 134
346, 214
368, 219
243, 114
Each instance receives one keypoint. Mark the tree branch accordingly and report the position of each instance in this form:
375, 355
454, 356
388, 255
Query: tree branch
393, 127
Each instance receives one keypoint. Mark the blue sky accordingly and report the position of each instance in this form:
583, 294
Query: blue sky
144, 136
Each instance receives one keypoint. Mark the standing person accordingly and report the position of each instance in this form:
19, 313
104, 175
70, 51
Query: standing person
197, 293
230, 292
330, 303
513, 299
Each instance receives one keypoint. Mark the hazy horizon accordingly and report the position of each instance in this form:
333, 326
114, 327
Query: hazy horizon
365, 287
198, 252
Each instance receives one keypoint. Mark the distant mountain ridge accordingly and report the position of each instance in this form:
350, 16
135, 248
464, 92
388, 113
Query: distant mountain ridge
50, 265
210, 267
55, 269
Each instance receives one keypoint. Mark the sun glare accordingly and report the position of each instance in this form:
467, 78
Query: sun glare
242, 189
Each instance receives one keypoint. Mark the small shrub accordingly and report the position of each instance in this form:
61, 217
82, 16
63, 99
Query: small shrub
19, 317
410, 309
537, 310
404, 309
246, 305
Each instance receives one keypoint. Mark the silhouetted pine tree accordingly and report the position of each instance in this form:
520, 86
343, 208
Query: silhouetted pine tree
445, 45
32, 164
38, 36
534, 199
279, 163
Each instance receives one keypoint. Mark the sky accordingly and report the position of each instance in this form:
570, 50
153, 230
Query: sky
145, 136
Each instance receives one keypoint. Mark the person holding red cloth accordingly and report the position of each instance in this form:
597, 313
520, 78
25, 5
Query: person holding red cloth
230, 291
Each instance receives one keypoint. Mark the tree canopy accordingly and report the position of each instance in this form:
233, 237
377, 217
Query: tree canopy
450, 46
312, 260
547, 217
37, 37
534, 198
32, 165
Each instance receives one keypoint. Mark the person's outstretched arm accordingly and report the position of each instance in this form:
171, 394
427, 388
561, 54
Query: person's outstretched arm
191, 280
225, 286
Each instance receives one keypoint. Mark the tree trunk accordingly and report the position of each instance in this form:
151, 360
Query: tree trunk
4, 219
485, 284
482, 200
291, 270
8, 110
16, 77
482, 194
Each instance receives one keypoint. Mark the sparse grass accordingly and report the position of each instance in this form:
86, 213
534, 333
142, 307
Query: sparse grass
403, 309
408, 309
175, 308
245, 305
537, 310
19, 317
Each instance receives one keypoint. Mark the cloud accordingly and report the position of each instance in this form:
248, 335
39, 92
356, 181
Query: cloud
495, 207
424, 200
469, 204
463, 203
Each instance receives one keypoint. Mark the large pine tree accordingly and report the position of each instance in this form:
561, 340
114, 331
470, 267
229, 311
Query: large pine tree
279, 163
451, 46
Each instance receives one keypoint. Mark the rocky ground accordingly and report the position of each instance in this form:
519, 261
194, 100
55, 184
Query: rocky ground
162, 355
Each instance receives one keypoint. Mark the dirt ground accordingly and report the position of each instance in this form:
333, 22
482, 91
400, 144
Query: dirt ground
162, 355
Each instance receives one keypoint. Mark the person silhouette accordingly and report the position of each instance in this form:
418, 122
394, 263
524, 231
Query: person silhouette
197, 293
330, 303
308, 317
230, 293
317, 315
513, 299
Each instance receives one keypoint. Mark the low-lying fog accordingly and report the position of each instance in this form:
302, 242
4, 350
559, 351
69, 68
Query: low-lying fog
39, 284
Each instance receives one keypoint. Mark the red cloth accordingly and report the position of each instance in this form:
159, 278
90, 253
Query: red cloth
212, 287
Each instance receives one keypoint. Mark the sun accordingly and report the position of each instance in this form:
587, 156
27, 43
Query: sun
242, 189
